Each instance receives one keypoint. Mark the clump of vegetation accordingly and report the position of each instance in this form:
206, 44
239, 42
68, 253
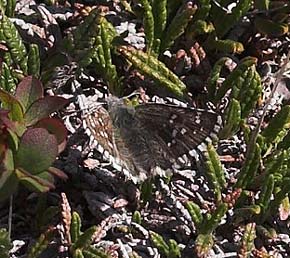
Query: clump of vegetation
32, 138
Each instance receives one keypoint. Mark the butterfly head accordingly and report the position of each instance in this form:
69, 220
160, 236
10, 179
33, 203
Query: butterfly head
119, 112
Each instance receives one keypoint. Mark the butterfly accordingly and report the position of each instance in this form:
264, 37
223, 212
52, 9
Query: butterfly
150, 139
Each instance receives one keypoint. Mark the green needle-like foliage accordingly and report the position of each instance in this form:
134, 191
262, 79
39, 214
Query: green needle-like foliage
245, 88
247, 243
224, 21
210, 224
41, 244
215, 171
5, 244
278, 126
203, 10
212, 85
266, 192
153, 68
163, 23
85, 239
203, 244
225, 46
137, 218
250, 167
33, 61
170, 250
148, 24
195, 213
232, 119
177, 27
75, 228
105, 59
8, 7
236, 79
159, 10
7, 80
275, 164
16, 48
159, 242
91, 44
279, 196
285, 143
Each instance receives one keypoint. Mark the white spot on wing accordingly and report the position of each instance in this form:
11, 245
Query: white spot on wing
183, 131
174, 133
181, 160
193, 153
202, 147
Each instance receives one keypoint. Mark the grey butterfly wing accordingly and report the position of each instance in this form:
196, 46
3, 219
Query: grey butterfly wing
181, 129
140, 149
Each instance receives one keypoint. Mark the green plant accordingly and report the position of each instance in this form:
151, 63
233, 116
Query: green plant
30, 140
91, 46
16, 55
41, 244
160, 33
154, 68
5, 244
169, 249
245, 88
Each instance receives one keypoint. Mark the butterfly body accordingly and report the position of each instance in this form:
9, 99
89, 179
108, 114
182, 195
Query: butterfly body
150, 139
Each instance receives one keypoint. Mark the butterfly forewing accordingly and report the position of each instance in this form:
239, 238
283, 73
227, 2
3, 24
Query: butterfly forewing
182, 129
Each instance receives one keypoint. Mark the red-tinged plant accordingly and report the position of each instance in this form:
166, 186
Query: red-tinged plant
30, 140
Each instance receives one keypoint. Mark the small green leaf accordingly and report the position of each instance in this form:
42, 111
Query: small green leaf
137, 218
43, 182
75, 228
278, 125
5, 243
8, 184
10, 103
204, 242
159, 242
86, 238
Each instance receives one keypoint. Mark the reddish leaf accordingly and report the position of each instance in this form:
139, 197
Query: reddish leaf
4, 119
13, 127
57, 172
10, 103
37, 150
28, 91
54, 126
43, 108
3, 148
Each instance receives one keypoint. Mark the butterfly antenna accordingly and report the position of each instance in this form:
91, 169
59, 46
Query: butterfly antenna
134, 93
